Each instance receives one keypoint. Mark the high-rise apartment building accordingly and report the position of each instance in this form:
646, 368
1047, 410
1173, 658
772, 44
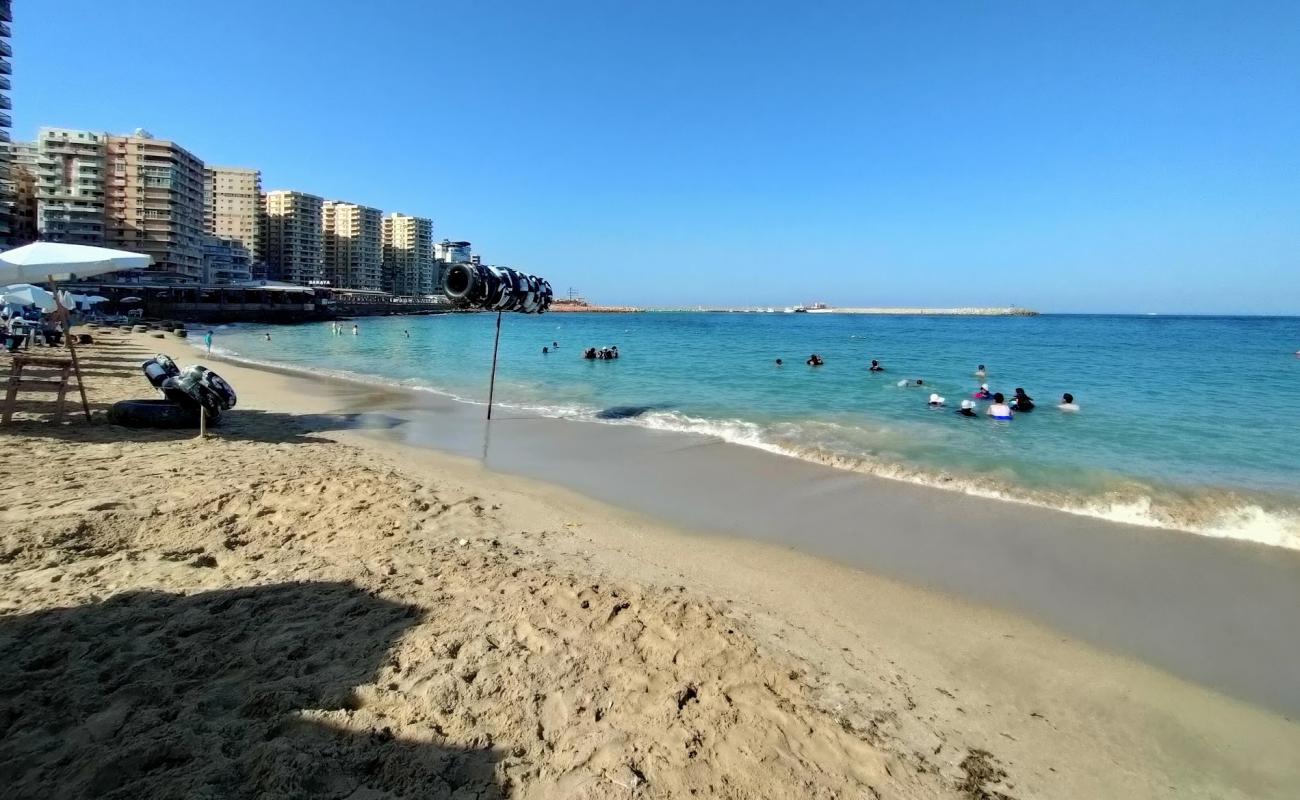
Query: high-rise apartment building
23, 158
7, 184
446, 253
233, 207
153, 203
409, 269
70, 185
225, 261
291, 243
354, 245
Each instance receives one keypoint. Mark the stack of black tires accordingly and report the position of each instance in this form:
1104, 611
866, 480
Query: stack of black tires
187, 395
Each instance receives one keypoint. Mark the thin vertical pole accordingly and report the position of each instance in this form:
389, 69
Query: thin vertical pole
61, 312
492, 385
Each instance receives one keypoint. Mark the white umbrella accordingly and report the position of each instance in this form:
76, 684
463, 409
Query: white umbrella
24, 294
132, 299
54, 261
94, 299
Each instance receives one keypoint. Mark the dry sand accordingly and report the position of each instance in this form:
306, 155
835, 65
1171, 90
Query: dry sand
290, 609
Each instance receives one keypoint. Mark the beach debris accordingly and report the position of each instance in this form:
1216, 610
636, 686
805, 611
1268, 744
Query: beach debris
982, 769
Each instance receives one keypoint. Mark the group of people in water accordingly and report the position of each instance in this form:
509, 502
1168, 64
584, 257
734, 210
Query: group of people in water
999, 408
601, 353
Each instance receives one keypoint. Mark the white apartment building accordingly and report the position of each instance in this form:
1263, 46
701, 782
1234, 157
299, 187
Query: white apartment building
292, 243
409, 268
353, 245
70, 176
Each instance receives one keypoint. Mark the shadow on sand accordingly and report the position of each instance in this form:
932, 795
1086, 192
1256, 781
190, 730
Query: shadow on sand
214, 695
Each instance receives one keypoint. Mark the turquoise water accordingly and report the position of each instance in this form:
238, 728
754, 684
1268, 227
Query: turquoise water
1186, 422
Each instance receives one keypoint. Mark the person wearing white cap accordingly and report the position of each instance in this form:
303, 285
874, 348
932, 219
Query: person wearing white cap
967, 409
984, 393
935, 400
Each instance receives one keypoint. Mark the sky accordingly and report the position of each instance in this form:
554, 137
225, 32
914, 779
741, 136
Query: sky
1080, 157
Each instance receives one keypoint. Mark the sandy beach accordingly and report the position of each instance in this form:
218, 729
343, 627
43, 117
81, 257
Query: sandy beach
309, 604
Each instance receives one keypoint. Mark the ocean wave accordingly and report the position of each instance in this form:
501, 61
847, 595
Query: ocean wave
1207, 511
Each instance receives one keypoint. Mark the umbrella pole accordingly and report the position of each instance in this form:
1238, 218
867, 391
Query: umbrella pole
492, 386
72, 348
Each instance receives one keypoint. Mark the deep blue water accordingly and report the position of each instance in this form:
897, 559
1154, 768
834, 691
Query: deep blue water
1192, 422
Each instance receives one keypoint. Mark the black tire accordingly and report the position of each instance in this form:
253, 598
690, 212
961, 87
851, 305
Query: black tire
180, 333
155, 414
85, 338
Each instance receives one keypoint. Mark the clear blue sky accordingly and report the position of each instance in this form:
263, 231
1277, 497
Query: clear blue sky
1126, 156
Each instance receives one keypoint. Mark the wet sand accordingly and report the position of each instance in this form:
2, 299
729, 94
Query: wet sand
1220, 612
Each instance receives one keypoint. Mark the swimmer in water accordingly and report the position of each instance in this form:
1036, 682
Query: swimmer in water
984, 393
355, 330
408, 334
545, 349
979, 371
1022, 401
779, 362
935, 400
268, 337
875, 366
999, 410
920, 382
967, 409
814, 360
1067, 403
556, 345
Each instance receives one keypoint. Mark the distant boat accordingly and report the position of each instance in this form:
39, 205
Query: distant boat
800, 310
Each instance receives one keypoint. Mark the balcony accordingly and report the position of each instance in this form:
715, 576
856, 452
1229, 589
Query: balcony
6, 121
5, 49
4, 84
5, 32
5, 68
4, 103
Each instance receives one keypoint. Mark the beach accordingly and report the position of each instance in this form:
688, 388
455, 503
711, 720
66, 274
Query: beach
349, 590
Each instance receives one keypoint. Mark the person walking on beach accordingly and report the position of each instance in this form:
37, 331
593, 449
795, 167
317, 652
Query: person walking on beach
999, 410
207, 340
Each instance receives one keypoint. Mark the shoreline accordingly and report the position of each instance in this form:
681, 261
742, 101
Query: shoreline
836, 681
1175, 600
1254, 516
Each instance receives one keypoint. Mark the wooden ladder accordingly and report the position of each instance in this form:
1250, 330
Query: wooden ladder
42, 382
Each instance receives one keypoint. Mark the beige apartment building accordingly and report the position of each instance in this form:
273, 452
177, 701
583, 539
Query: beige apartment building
409, 268
292, 244
153, 203
354, 245
233, 207
23, 159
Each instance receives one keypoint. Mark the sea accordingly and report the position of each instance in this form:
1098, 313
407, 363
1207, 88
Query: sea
1185, 422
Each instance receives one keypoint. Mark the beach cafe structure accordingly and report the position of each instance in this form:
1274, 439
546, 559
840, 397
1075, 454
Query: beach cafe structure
256, 301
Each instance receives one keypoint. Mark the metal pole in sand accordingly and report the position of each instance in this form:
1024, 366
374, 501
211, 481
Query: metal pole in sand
492, 385
203, 422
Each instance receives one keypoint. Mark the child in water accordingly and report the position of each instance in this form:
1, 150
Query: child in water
1067, 403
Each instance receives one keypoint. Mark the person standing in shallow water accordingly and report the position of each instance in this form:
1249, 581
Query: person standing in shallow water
875, 366
207, 340
355, 329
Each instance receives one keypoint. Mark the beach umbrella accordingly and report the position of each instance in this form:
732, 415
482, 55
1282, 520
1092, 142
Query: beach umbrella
24, 294
55, 261
131, 300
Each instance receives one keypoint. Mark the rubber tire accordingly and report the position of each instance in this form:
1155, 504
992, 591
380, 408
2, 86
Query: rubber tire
154, 414
180, 333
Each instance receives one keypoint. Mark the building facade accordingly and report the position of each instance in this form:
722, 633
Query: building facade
225, 261
233, 207
292, 245
8, 188
153, 203
353, 245
446, 253
23, 160
70, 185
409, 268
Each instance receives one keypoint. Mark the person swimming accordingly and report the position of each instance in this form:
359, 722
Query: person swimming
1067, 403
875, 366
967, 409
779, 362
935, 400
1022, 401
984, 393
545, 349
589, 354
814, 360
999, 410
979, 371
